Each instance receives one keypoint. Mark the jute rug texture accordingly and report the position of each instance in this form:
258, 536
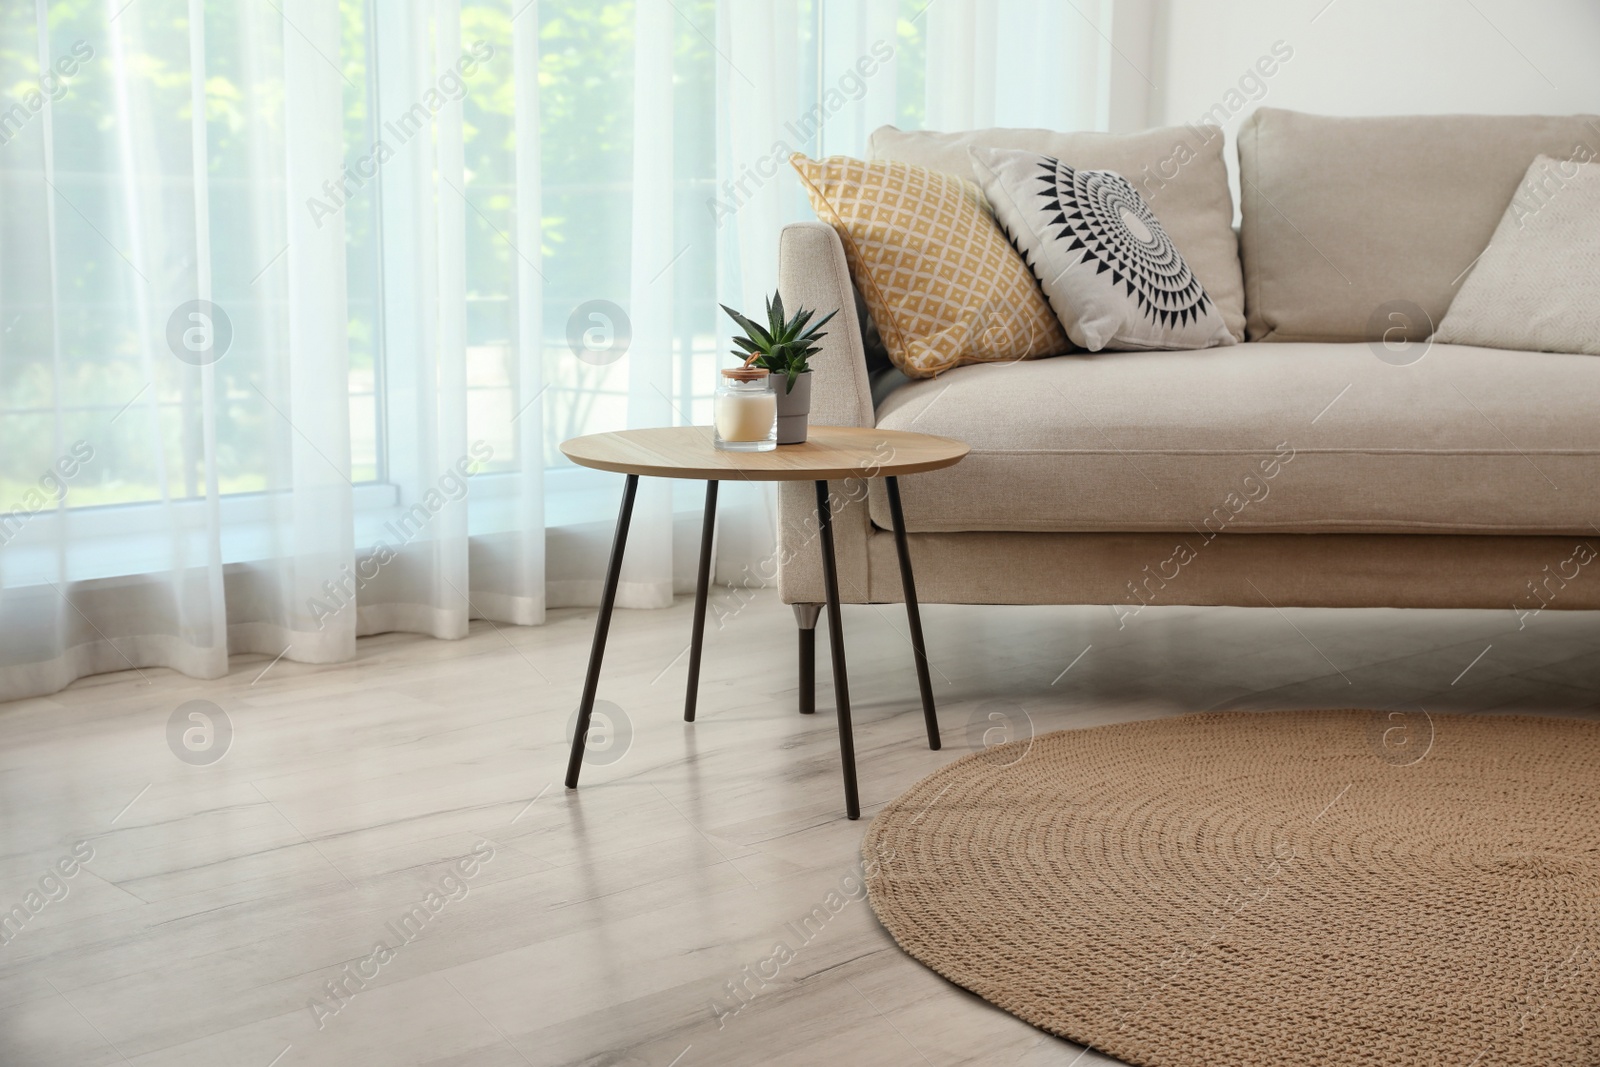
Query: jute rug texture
1273, 889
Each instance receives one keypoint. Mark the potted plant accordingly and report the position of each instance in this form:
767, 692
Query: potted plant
783, 348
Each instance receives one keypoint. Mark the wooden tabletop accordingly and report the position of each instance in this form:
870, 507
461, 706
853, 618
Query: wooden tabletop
829, 452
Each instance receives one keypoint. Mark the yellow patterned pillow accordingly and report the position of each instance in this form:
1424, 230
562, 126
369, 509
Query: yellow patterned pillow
943, 285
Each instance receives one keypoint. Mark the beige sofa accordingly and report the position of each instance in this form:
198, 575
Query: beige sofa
1334, 459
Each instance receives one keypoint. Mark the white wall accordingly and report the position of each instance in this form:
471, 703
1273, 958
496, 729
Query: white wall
1376, 57
1131, 91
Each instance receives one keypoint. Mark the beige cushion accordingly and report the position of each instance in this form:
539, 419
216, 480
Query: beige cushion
1348, 220
1179, 171
1537, 285
1467, 440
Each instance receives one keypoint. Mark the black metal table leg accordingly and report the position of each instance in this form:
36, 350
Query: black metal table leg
602, 626
701, 584
841, 685
913, 615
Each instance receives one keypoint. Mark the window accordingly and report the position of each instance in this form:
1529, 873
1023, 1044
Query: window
99, 187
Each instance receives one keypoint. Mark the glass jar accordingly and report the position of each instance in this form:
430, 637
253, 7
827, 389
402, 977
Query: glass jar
746, 411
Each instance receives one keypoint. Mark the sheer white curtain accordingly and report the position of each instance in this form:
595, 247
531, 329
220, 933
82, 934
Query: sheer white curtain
1020, 63
297, 299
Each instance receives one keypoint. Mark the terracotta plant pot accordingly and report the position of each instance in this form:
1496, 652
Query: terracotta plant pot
794, 408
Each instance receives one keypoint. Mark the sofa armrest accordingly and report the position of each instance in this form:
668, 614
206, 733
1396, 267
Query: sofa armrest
812, 273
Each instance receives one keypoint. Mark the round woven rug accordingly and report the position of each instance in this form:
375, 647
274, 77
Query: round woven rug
1273, 889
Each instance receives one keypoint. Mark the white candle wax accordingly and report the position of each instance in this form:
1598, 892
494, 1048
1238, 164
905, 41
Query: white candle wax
747, 416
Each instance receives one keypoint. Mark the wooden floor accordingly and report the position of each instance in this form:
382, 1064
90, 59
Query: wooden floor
610, 925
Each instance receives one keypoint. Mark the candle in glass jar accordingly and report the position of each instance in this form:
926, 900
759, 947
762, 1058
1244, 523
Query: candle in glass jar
742, 419
746, 411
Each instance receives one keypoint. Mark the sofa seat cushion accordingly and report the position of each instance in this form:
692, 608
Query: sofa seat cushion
1299, 437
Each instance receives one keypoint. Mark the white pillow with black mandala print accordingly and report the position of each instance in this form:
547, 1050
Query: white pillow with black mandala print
1109, 270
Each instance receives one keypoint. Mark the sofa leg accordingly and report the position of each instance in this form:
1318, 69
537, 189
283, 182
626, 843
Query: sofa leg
806, 616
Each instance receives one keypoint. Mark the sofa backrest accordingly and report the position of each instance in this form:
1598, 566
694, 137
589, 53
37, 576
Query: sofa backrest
1179, 171
1349, 225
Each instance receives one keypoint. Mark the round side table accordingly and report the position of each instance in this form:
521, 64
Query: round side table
831, 452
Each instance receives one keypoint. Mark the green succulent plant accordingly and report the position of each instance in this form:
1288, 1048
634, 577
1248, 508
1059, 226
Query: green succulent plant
784, 346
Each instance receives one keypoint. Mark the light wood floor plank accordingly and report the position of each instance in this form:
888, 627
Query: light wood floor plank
613, 924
